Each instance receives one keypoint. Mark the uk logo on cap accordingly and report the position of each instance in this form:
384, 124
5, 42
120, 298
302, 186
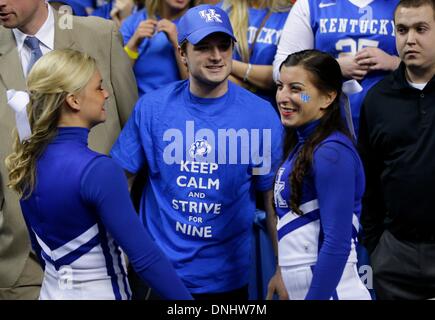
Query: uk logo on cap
200, 21
210, 15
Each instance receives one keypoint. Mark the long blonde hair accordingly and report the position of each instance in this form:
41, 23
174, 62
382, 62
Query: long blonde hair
152, 7
238, 13
52, 78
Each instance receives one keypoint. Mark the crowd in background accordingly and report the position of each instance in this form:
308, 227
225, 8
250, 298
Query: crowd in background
352, 82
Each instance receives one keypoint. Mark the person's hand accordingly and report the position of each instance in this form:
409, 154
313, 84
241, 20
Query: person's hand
170, 29
277, 285
350, 68
146, 29
376, 59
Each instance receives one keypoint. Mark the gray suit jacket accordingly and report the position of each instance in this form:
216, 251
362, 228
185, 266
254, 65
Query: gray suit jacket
100, 39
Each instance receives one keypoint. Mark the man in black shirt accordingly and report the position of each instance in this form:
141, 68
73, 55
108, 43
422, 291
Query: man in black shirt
397, 144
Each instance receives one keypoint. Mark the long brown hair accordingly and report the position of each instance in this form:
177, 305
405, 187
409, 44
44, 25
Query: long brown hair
51, 79
326, 76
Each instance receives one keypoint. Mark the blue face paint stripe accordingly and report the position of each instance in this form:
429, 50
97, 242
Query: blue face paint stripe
305, 97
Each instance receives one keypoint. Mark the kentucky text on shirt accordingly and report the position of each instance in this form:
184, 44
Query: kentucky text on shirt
266, 35
362, 26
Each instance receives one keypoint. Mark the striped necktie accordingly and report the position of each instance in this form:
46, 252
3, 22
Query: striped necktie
33, 44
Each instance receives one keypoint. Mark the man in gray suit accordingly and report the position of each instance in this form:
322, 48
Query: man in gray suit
20, 274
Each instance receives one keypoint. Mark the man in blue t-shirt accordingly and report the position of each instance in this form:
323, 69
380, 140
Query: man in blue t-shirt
207, 146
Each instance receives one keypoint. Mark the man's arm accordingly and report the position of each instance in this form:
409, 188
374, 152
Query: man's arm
122, 77
373, 206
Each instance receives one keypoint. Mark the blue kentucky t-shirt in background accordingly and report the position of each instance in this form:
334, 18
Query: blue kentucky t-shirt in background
264, 48
343, 27
156, 65
88, 3
205, 159
103, 11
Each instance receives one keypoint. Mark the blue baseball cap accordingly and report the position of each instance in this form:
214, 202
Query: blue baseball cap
200, 21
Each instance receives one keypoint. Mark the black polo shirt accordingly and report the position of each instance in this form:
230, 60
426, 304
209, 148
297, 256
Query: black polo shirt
397, 145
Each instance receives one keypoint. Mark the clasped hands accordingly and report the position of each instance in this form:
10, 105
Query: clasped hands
366, 60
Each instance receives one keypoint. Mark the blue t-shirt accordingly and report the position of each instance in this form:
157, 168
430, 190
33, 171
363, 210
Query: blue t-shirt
77, 7
205, 159
156, 65
103, 11
342, 27
91, 3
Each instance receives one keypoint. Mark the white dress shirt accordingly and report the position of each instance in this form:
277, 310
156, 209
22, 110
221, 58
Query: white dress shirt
45, 35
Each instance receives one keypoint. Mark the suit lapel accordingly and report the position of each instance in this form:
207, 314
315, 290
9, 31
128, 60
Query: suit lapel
11, 74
